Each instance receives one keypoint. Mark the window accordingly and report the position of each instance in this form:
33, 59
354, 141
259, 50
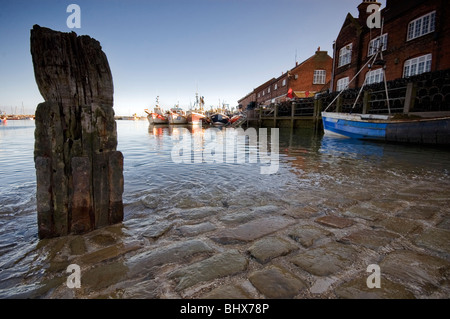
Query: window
319, 76
376, 43
345, 55
259, 94
264, 93
268, 90
417, 66
276, 86
284, 82
342, 84
421, 26
374, 76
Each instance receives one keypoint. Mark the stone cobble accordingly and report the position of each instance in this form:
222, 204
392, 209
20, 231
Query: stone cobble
263, 252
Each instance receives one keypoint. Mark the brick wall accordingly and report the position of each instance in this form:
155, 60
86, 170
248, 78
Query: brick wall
249, 98
304, 72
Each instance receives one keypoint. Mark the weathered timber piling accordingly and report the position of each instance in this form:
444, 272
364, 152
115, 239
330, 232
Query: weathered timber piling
79, 172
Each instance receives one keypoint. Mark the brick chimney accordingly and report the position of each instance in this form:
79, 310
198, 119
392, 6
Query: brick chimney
362, 8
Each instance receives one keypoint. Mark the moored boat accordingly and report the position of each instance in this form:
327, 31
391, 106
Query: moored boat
157, 116
219, 119
195, 118
388, 128
238, 119
177, 116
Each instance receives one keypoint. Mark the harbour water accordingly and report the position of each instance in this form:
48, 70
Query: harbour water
371, 203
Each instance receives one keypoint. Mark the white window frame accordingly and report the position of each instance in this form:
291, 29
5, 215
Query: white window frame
421, 26
375, 44
264, 92
418, 65
268, 90
374, 76
319, 76
276, 86
259, 94
345, 54
284, 82
342, 84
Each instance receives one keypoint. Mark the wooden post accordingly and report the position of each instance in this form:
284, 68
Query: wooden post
260, 117
410, 97
339, 102
366, 102
79, 172
275, 112
317, 112
293, 105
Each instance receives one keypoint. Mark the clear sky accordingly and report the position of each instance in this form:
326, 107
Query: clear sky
172, 48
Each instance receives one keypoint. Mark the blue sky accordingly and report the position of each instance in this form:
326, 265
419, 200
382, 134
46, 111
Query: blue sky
171, 48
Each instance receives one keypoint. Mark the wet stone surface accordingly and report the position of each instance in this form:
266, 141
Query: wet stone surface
335, 221
326, 260
265, 249
402, 226
357, 211
423, 272
277, 283
173, 253
193, 230
373, 239
252, 230
358, 289
419, 212
219, 265
306, 235
435, 239
251, 253
228, 292
157, 229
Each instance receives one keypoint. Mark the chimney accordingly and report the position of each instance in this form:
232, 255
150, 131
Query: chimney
362, 8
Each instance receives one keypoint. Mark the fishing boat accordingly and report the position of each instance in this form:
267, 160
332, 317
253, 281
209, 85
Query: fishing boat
196, 115
388, 128
404, 128
157, 116
238, 119
219, 119
177, 116
195, 118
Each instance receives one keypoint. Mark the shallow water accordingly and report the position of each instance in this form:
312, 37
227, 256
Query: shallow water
315, 172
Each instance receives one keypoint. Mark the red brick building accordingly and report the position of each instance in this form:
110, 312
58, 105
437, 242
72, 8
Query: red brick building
415, 40
305, 79
312, 75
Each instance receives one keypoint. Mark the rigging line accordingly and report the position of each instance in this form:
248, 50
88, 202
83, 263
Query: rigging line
334, 100
362, 87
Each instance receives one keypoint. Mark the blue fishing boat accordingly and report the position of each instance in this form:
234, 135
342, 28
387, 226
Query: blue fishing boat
388, 128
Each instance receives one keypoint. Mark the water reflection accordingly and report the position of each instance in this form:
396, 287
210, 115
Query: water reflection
161, 130
350, 148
